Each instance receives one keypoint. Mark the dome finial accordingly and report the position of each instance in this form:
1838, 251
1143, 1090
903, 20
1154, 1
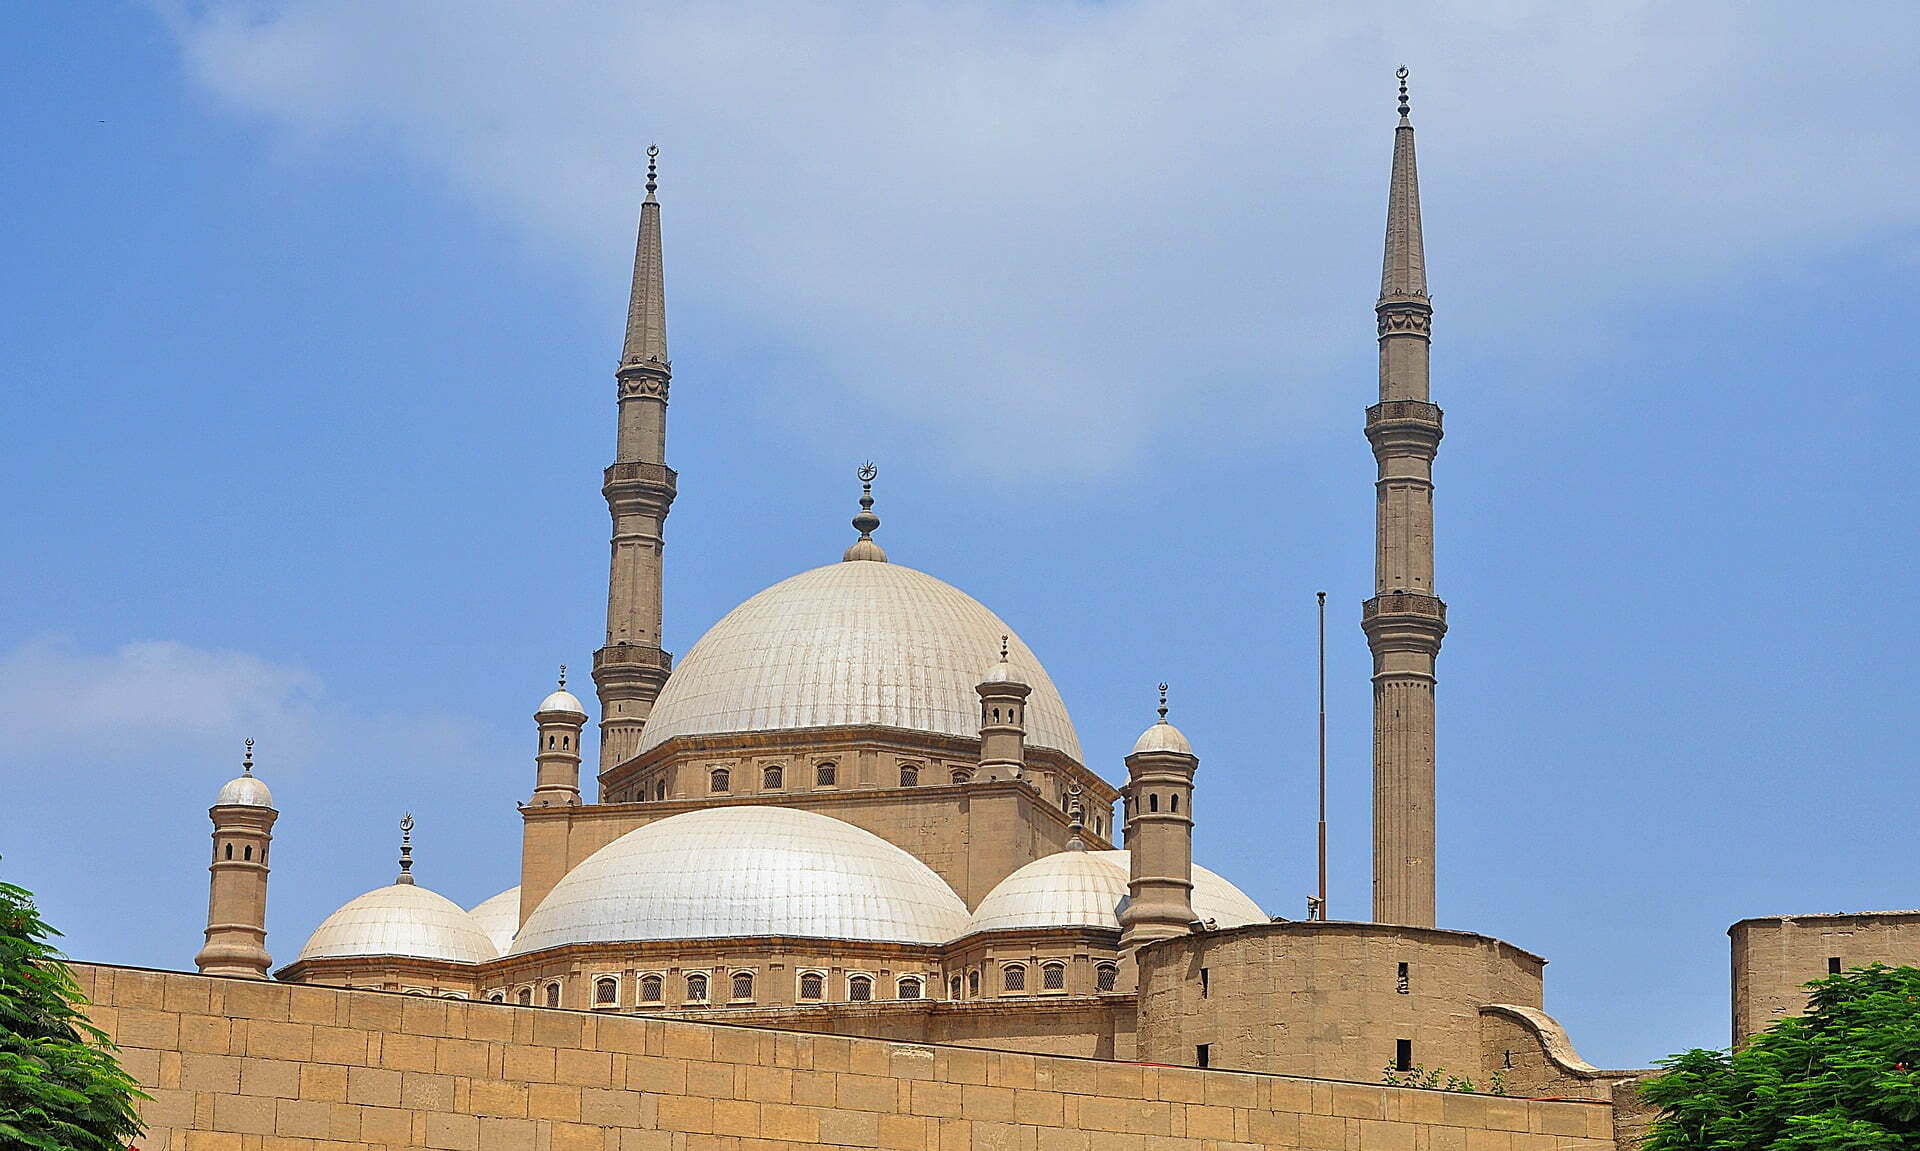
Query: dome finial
563, 675
865, 522
1003, 647
653, 172
1076, 820
1163, 703
246, 764
406, 849
1402, 75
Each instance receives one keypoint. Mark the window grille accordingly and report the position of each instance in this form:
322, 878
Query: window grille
1053, 977
1014, 977
909, 775
813, 985
859, 988
1105, 977
526, 997
553, 995
825, 774
696, 988
743, 985
606, 992
772, 778
720, 780
651, 987
910, 988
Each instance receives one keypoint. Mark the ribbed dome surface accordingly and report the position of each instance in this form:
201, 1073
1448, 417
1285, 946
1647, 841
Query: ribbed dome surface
852, 643
499, 917
244, 791
739, 871
403, 919
1088, 889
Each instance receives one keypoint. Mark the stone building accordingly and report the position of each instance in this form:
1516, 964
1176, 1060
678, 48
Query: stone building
858, 807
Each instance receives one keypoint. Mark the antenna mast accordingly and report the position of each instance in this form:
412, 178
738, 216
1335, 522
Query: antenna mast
1321, 902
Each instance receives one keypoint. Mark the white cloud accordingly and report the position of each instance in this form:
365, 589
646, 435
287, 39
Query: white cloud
1030, 232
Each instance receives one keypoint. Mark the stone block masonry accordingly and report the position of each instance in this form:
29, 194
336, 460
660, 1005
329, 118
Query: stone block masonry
245, 1065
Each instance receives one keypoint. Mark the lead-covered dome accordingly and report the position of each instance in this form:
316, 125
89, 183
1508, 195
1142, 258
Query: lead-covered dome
732, 872
401, 919
852, 644
499, 917
1088, 889
243, 791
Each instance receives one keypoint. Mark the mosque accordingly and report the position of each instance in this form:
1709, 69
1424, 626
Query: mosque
858, 806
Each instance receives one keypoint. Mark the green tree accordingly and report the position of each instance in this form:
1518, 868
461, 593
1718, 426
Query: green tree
60, 1087
1843, 1077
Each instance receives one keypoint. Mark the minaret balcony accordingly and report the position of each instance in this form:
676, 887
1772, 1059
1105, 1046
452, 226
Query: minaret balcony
636, 479
1404, 619
631, 656
1404, 428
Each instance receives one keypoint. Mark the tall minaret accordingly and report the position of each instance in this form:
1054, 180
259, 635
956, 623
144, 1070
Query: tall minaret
243, 816
631, 669
1404, 620
1159, 795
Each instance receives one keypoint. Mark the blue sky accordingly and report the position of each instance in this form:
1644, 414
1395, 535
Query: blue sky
311, 310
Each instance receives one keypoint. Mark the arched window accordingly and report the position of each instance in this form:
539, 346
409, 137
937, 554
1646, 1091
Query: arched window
606, 991
911, 987
813, 985
720, 780
1014, 977
1105, 976
248, 852
650, 988
659, 789
229, 851
772, 778
526, 997
973, 984
553, 995
743, 985
414, 991
909, 775
859, 988
953, 988
963, 776
549, 741
496, 997
825, 774
1153, 802
1053, 977
566, 741
1174, 801
697, 988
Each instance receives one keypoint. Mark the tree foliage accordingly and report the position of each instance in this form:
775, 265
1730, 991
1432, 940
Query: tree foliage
60, 1087
1843, 1077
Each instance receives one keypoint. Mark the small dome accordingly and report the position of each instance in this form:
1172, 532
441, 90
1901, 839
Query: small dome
730, 872
403, 919
499, 917
1162, 736
1088, 889
561, 701
244, 791
1002, 671
852, 644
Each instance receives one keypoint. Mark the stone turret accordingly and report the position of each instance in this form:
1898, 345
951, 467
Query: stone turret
1003, 721
1159, 832
639, 487
1405, 620
557, 773
243, 815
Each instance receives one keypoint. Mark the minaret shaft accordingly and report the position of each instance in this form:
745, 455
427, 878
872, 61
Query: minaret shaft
1404, 621
630, 670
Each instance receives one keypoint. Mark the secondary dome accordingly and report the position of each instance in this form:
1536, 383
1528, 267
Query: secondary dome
499, 917
561, 701
401, 919
740, 871
852, 643
1088, 889
244, 791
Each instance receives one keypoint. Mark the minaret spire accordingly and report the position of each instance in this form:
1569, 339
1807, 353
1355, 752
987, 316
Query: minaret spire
639, 487
1405, 620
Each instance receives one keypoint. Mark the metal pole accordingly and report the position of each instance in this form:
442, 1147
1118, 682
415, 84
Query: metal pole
1322, 596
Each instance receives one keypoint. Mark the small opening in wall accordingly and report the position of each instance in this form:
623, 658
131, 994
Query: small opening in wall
973, 984
1153, 803
229, 851
1403, 1055
248, 852
1401, 982
1206, 983
1105, 977
553, 995
1173, 802
910, 988
1202, 1055
859, 989
526, 997
1833, 965
953, 988
606, 992
696, 988
813, 985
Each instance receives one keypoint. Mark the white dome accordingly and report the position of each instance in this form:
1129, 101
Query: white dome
852, 643
561, 700
1162, 736
403, 919
738, 871
499, 917
244, 791
1088, 889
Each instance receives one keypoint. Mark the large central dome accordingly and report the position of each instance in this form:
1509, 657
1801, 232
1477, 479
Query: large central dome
852, 643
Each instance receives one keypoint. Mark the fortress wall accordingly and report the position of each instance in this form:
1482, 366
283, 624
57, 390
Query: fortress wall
241, 1065
1327, 998
1774, 957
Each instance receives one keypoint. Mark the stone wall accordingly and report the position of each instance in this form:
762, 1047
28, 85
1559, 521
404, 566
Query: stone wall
242, 1065
1330, 999
1774, 957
